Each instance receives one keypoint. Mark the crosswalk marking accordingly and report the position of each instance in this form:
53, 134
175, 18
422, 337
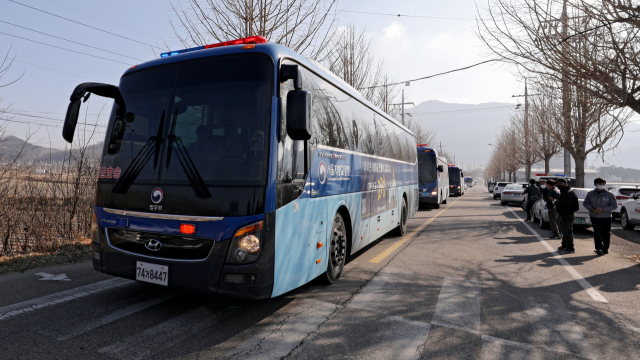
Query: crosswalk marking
374, 296
554, 327
458, 305
164, 335
280, 334
9, 311
93, 323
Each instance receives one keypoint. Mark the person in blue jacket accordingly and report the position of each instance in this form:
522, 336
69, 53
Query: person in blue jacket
600, 204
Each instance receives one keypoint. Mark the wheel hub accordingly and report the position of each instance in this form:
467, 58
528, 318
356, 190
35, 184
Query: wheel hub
338, 247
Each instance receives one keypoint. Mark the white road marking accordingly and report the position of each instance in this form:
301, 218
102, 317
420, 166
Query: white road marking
283, 332
9, 311
93, 323
375, 297
595, 294
59, 277
498, 349
554, 327
164, 335
458, 305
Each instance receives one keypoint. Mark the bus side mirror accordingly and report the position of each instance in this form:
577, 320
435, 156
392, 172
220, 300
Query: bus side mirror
299, 115
440, 168
70, 120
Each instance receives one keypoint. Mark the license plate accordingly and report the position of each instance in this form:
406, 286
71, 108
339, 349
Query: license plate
579, 221
152, 273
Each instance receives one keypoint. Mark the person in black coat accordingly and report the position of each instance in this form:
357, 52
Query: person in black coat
567, 205
533, 194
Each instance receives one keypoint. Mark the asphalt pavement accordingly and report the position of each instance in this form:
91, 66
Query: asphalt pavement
470, 280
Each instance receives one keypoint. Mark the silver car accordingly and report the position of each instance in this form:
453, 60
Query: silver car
513, 194
540, 213
497, 190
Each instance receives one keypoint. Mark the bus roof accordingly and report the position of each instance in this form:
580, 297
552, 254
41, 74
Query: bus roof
275, 51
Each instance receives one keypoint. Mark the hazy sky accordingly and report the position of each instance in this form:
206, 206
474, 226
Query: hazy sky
411, 47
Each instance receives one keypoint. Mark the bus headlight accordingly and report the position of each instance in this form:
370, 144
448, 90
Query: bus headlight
435, 191
245, 245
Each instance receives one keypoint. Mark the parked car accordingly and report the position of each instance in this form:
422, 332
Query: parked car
513, 193
622, 192
540, 213
630, 212
497, 190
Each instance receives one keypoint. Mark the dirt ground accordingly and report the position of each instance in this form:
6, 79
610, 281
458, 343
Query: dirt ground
67, 254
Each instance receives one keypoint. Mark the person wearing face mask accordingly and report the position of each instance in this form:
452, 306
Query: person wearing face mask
566, 205
600, 204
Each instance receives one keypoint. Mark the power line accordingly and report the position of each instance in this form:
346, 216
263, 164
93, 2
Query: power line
59, 47
75, 42
48, 112
107, 21
460, 111
39, 124
403, 15
42, 67
46, 118
89, 26
427, 77
473, 132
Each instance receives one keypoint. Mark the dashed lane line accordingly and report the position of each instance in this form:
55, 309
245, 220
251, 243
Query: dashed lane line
595, 294
9, 311
388, 251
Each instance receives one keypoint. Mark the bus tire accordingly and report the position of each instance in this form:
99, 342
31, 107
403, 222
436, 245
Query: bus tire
337, 250
436, 206
402, 224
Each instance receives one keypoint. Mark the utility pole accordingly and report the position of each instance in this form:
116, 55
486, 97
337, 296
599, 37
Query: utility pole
403, 103
566, 101
527, 145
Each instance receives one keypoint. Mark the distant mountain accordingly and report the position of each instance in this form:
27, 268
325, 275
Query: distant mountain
464, 129
11, 146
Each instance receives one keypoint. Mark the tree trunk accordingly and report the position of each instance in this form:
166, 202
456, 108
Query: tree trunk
547, 166
580, 172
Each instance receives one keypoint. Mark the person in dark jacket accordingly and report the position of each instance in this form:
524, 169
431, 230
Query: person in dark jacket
543, 187
552, 195
533, 194
567, 205
600, 204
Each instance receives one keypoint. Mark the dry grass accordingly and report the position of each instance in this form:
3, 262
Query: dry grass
70, 253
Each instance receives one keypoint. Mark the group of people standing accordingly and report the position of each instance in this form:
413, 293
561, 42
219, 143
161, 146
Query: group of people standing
562, 204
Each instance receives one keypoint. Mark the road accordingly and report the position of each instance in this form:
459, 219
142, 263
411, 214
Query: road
468, 281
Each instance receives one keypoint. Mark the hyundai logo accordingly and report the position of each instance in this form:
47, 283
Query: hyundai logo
153, 244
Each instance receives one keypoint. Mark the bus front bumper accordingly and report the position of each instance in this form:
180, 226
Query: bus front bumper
427, 198
211, 275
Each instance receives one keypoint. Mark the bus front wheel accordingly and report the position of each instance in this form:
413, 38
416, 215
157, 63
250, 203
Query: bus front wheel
337, 250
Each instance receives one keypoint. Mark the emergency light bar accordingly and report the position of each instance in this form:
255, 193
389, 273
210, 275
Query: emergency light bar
560, 175
422, 145
247, 40
540, 174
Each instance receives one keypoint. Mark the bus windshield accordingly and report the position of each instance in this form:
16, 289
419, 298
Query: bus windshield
454, 176
201, 123
427, 168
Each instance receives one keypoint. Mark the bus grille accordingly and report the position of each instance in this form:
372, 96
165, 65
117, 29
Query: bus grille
173, 247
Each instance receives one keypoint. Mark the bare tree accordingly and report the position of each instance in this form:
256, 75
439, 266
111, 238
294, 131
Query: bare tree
589, 44
306, 26
543, 109
423, 133
386, 94
351, 58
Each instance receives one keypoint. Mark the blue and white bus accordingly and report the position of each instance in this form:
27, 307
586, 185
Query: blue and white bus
243, 169
433, 180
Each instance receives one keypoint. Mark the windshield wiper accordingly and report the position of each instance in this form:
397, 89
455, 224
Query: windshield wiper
189, 168
151, 147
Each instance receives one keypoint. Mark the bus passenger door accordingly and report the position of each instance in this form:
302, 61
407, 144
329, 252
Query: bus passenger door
362, 234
